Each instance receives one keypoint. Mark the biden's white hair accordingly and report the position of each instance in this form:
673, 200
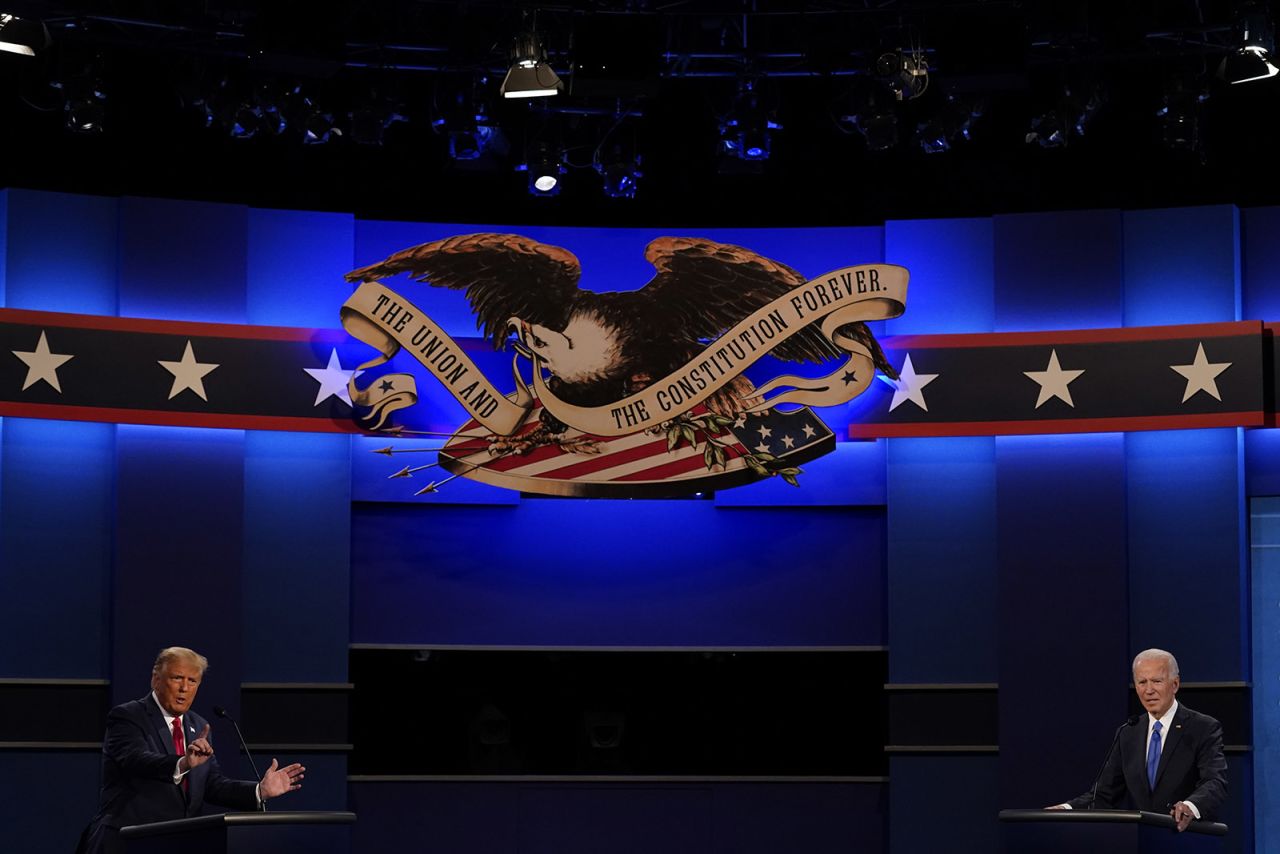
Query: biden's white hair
1158, 655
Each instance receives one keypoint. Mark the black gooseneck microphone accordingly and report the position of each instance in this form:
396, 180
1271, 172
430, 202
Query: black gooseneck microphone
222, 713
1132, 720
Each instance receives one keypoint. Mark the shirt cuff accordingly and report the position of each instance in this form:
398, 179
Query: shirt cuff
1066, 806
257, 794
1195, 811
178, 773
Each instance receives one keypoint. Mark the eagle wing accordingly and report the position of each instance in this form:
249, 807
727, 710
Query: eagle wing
503, 276
707, 287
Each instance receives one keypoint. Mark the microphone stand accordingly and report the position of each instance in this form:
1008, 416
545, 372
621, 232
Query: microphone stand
222, 713
1132, 720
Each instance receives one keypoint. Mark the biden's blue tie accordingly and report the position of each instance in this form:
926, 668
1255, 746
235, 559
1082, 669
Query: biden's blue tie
1153, 754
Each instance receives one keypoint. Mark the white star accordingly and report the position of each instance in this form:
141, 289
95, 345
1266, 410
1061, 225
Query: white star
42, 364
333, 379
765, 432
788, 442
742, 420
1053, 381
909, 385
762, 448
808, 431
1201, 375
187, 374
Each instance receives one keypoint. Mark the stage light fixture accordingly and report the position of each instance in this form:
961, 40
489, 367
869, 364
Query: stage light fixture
1256, 36
619, 171
318, 128
906, 72
84, 104
1070, 118
22, 35
747, 131
946, 127
544, 168
875, 115
1180, 115
529, 75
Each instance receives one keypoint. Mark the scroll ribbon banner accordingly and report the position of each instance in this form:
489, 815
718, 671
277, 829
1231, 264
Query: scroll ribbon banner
383, 320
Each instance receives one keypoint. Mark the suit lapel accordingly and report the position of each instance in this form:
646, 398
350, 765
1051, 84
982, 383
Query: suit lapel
1171, 741
159, 732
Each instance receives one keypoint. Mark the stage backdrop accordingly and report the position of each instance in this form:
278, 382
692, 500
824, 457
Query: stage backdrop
1010, 577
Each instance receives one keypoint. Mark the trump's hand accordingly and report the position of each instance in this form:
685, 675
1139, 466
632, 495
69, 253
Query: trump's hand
276, 781
197, 752
1182, 814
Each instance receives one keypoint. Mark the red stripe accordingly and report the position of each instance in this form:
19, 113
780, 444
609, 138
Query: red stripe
1073, 336
171, 327
605, 461
58, 412
1062, 425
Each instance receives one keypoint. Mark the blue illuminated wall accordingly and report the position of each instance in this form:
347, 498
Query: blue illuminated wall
997, 565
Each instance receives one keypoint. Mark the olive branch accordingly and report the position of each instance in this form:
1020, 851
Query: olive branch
685, 427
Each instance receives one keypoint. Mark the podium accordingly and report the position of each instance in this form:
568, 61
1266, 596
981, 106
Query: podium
243, 833
1105, 832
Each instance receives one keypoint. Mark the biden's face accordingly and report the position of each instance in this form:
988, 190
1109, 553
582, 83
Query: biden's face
1156, 689
176, 685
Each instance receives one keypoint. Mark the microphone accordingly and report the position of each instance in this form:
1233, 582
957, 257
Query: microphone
222, 713
1132, 720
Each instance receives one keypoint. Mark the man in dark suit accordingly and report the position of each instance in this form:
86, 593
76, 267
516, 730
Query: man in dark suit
158, 764
1170, 761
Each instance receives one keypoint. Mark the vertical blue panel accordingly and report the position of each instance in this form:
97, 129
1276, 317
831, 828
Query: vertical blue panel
1058, 271
296, 261
297, 543
1265, 534
183, 260
55, 548
1262, 462
1181, 265
46, 798
63, 252
944, 803
1187, 562
1064, 649
952, 274
1260, 263
942, 579
617, 573
179, 549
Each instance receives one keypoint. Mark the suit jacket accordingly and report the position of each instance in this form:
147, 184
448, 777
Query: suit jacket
1192, 768
138, 761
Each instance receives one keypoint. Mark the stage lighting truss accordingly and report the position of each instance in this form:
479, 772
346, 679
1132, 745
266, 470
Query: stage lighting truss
529, 75
1256, 37
21, 35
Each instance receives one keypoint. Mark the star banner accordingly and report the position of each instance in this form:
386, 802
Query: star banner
1147, 378
82, 368
87, 368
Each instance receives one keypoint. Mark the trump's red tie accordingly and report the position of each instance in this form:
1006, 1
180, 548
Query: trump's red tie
179, 744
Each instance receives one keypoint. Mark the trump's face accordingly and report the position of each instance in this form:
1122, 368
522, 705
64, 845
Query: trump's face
1156, 689
176, 685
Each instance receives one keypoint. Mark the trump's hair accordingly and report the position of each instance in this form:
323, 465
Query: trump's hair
174, 653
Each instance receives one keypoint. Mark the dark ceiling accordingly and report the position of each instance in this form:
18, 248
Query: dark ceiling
165, 66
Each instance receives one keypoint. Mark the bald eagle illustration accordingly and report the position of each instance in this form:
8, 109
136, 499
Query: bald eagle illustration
602, 347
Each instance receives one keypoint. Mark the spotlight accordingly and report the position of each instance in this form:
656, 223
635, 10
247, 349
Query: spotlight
875, 116
907, 73
22, 36
317, 124
1257, 38
619, 171
747, 131
84, 104
1071, 117
545, 168
948, 126
529, 76
463, 115
1179, 117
